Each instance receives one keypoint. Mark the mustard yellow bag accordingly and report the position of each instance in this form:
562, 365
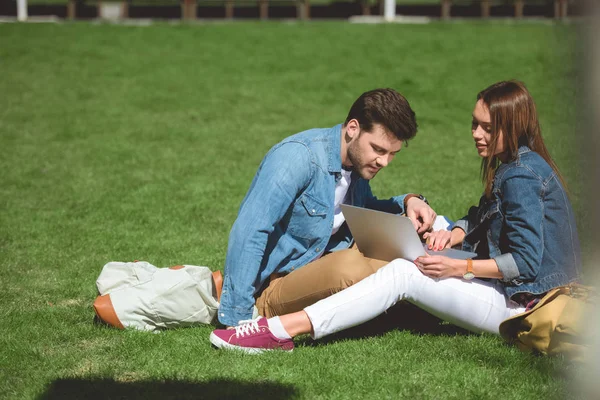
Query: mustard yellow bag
556, 325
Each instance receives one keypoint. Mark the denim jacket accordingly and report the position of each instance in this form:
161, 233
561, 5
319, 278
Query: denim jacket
286, 219
527, 227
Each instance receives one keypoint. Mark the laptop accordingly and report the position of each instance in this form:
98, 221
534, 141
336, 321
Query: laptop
386, 236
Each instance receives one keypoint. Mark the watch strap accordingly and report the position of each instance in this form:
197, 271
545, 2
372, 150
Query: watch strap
410, 196
468, 275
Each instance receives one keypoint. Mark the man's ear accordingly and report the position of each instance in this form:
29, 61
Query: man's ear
352, 129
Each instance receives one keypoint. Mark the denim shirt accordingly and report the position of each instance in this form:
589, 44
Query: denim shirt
286, 219
527, 227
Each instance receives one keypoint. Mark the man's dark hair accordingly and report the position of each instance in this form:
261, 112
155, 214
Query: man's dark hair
388, 108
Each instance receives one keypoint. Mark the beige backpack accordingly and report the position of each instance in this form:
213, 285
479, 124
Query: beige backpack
556, 325
142, 296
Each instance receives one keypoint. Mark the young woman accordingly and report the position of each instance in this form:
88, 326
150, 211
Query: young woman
523, 231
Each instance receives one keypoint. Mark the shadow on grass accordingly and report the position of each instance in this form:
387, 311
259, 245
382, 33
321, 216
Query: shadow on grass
402, 316
103, 388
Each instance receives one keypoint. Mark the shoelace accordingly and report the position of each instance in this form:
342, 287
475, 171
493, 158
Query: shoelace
246, 327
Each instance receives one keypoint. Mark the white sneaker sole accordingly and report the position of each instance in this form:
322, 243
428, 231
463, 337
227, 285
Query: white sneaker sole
221, 344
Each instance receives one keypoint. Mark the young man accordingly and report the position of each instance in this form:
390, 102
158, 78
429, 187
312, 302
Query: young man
287, 246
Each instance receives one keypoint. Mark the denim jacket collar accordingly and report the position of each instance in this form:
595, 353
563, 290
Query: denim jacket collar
523, 149
334, 149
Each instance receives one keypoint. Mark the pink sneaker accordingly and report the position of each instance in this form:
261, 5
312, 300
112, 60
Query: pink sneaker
251, 336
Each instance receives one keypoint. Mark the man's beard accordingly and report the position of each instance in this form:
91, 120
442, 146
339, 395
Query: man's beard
358, 164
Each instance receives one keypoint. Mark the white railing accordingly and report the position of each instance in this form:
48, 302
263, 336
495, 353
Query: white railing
22, 10
389, 10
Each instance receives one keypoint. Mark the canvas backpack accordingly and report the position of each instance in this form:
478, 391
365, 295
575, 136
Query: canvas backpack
556, 325
142, 296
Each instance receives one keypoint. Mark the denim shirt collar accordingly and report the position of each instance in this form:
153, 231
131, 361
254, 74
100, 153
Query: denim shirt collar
334, 149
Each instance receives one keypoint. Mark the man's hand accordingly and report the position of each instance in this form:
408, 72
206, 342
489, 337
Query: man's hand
421, 215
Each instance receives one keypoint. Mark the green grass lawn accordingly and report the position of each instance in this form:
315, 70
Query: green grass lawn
139, 143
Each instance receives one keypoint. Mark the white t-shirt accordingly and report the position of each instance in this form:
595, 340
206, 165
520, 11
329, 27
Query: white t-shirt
341, 192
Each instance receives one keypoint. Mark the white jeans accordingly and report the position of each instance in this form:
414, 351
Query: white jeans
476, 305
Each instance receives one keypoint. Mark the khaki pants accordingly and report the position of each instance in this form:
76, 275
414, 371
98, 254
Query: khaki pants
315, 281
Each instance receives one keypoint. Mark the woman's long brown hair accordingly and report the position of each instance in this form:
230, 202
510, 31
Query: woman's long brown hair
512, 112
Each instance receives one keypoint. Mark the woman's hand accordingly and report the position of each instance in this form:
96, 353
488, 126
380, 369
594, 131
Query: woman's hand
438, 240
440, 267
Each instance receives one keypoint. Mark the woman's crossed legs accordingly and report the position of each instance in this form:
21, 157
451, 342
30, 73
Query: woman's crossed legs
477, 305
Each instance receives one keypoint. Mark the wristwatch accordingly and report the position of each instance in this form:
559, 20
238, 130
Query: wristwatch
469, 274
410, 196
